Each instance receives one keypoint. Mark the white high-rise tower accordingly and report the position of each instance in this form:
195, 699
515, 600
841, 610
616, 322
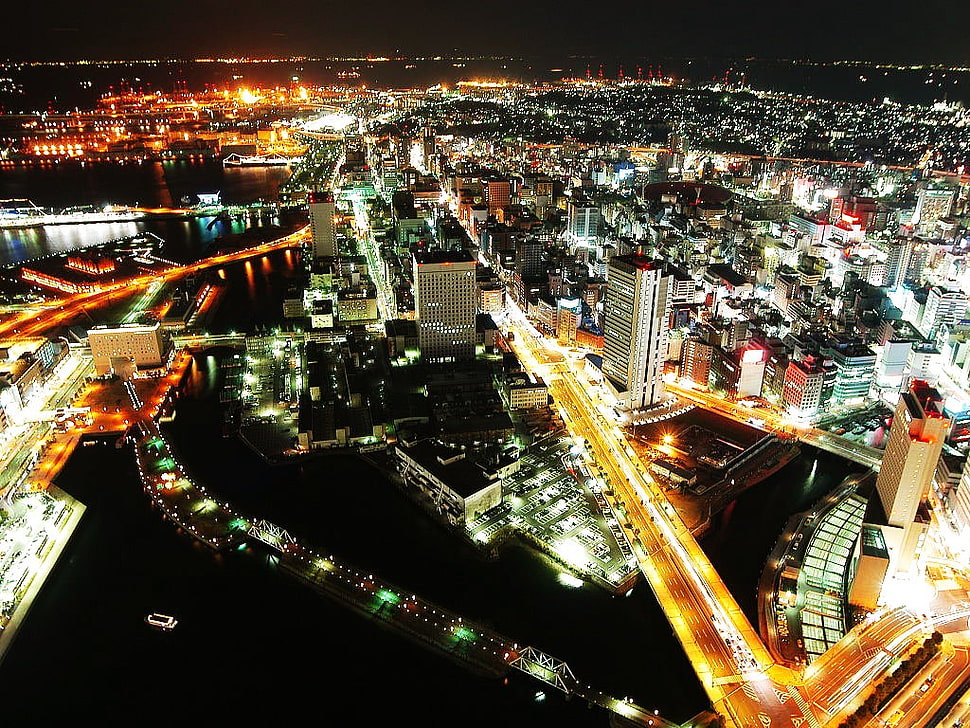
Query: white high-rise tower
322, 209
909, 465
445, 305
636, 329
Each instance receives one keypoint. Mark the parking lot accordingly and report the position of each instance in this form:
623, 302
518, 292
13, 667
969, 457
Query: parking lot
557, 504
270, 393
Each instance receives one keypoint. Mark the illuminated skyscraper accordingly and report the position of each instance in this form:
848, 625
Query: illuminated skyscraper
445, 305
584, 222
855, 368
909, 464
932, 203
897, 261
322, 209
943, 308
636, 328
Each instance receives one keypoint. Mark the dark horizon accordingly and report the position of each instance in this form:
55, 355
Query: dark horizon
882, 32
376, 57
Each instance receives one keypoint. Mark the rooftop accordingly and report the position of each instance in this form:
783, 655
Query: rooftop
453, 465
445, 257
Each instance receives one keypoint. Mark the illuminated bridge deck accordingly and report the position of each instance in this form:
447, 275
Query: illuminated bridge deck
217, 525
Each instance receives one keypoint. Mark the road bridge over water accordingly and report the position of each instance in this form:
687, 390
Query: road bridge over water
73, 306
201, 342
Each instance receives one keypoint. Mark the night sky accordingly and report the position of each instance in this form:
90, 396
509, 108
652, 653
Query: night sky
890, 30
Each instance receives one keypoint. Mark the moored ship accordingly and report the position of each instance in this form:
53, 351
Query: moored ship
163, 622
20, 214
86, 214
25, 214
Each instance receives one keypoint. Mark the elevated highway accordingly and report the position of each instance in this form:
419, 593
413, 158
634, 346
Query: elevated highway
733, 665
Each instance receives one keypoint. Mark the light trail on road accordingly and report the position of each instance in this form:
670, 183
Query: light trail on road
72, 306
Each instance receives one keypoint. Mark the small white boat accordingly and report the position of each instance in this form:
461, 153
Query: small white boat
161, 621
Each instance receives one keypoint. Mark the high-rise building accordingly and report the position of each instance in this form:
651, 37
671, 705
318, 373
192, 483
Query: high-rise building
697, 355
544, 196
569, 315
528, 258
785, 289
855, 368
897, 261
909, 464
933, 203
943, 308
636, 328
919, 254
808, 386
958, 500
814, 231
445, 304
497, 192
852, 210
912, 451
923, 362
871, 561
322, 209
584, 222
738, 372
751, 374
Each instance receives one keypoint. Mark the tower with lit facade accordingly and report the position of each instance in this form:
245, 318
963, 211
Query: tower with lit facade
897, 261
322, 209
636, 329
445, 305
585, 222
932, 204
944, 307
909, 465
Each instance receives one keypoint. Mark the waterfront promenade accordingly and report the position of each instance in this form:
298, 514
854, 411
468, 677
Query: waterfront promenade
218, 526
53, 540
38, 518
33, 453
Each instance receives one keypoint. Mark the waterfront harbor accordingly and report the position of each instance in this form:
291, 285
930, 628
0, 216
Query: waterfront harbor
494, 394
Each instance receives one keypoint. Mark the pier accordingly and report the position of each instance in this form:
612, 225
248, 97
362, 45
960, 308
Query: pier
479, 648
216, 525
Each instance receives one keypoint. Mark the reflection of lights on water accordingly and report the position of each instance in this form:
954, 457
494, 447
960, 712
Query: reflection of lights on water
572, 553
569, 580
250, 277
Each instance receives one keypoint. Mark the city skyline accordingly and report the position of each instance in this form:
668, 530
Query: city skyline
560, 372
